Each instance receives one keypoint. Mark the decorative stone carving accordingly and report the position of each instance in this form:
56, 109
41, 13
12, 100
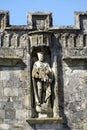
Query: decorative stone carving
39, 20
6, 40
40, 39
23, 41
70, 41
42, 77
79, 41
40, 24
14, 40
64, 39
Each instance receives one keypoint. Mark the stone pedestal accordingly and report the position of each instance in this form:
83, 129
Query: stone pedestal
46, 123
42, 115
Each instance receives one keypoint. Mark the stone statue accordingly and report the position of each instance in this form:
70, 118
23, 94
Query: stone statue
42, 77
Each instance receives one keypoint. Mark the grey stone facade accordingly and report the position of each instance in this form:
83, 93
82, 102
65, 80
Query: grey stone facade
65, 50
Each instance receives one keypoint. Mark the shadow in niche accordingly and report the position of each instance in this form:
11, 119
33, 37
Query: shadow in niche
58, 49
12, 65
47, 58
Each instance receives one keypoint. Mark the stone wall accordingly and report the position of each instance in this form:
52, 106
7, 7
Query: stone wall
66, 52
75, 94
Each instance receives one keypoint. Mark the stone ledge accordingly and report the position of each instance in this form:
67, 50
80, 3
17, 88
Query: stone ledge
74, 53
74, 58
10, 61
44, 120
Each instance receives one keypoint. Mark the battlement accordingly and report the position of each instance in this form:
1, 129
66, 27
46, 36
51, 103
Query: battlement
81, 20
39, 20
4, 19
43, 21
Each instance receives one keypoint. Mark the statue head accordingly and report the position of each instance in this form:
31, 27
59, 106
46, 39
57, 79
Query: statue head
40, 56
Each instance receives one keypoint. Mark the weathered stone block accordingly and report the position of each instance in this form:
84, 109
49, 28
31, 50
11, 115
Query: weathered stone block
10, 113
17, 127
11, 92
49, 127
4, 19
1, 91
4, 126
2, 114
85, 126
21, 114
5, 75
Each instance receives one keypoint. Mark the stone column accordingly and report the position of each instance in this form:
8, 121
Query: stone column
56, 100
28, 99
28, 96
55, 70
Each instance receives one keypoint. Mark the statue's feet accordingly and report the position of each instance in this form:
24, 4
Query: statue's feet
38, 108
44, 110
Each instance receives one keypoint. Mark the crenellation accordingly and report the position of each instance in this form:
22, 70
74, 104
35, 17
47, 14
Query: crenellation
81, 20
39, 20
4, 19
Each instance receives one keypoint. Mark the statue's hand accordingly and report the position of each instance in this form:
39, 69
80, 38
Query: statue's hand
47, 72
36, 75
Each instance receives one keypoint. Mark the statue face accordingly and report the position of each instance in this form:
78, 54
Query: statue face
40, 56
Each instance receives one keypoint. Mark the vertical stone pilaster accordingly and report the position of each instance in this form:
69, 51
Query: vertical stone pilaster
28, 96
70, 41
56, 100
79, 41
64, 40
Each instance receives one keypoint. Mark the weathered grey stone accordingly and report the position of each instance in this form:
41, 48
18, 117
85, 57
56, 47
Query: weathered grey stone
10, 113
39, 20
1, 91
5, 75
19, 104
20, 114
2, 114
85, 126
4, 126
49, 127
65, 50
4, 19
10, 91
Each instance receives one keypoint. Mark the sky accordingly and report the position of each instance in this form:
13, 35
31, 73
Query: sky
62, 10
